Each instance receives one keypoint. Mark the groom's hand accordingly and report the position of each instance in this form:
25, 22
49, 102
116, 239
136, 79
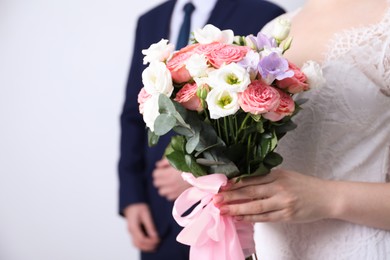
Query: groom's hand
168, 180
141, 227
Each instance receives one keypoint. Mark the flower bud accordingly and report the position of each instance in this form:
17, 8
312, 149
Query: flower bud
281, 29
202, 91
287, 44
250, 42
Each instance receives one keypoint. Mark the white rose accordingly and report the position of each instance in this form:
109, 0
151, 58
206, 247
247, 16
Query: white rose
222, 103
197, 65
231, 77
157, 79
313, 72
281, 29
158, 51
151, 111
210, 34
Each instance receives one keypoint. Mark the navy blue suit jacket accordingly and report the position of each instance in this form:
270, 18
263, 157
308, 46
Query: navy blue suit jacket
137, 160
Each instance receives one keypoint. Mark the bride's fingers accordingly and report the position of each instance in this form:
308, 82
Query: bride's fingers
255, 207
272, 216
245, 193
253, 180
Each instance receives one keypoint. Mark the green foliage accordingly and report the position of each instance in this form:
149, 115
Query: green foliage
238, 145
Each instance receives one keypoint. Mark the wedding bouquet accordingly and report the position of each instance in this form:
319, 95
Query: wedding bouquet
230, 100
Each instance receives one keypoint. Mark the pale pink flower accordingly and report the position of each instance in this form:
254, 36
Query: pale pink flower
176, 64
187, 97
296, 83
208, 48
227, 54
286, 107
143, 96
259, 98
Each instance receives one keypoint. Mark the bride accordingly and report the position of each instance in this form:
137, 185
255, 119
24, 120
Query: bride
331, 197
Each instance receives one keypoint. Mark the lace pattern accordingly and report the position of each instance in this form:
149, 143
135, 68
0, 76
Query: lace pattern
343, 133
367, 47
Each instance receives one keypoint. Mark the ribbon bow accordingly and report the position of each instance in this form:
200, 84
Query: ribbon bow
210, 235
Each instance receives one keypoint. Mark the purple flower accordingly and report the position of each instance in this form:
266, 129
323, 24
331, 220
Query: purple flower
250, 63
262, 41
273, 67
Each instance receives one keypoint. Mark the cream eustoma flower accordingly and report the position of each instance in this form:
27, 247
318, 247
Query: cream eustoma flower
210, 34
151, 111
313, 72
281, 29
157, 79
231, 77
222, 103
158, 51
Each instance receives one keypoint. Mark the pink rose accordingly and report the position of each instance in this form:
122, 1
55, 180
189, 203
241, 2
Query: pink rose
226, 54
208, 48
286, 107
176, 64
296, 83
187, 97
259, 98
143, 96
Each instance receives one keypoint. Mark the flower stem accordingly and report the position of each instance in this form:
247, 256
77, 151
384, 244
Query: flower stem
225, 124
243, 124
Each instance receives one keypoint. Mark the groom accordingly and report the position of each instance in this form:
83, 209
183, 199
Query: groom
147, 183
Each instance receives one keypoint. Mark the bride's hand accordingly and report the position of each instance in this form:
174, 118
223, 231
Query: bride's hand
281, 196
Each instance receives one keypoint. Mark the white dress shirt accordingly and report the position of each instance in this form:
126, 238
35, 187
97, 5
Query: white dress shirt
199, 17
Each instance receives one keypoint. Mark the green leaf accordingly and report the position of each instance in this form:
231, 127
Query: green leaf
152, 138
273, 159
207, 162
286, 127
178, 161
163, 124
188, 132
192, 142
177, 143
301, 101
165, 105
235, 152
261, 170
194, 167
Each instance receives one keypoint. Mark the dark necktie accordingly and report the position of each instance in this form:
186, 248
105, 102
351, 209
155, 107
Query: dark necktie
184, 32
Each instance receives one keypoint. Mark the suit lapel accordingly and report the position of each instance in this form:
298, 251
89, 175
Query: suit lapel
222, 11
165, 21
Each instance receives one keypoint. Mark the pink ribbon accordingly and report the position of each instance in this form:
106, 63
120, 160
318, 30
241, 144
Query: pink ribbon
210, 235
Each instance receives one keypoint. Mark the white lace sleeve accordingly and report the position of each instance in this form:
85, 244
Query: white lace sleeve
386, 69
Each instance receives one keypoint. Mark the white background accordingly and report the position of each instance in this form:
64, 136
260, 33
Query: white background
63, 68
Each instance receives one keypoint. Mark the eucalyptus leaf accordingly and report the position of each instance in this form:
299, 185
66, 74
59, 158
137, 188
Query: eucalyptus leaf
163, 124
192, 143
165, 105
188, 132
152, 138
207, 162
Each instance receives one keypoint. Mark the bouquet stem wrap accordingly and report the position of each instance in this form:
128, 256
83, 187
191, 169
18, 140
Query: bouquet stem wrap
210, 235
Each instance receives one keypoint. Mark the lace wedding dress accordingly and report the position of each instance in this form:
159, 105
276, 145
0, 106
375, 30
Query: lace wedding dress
343, 134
